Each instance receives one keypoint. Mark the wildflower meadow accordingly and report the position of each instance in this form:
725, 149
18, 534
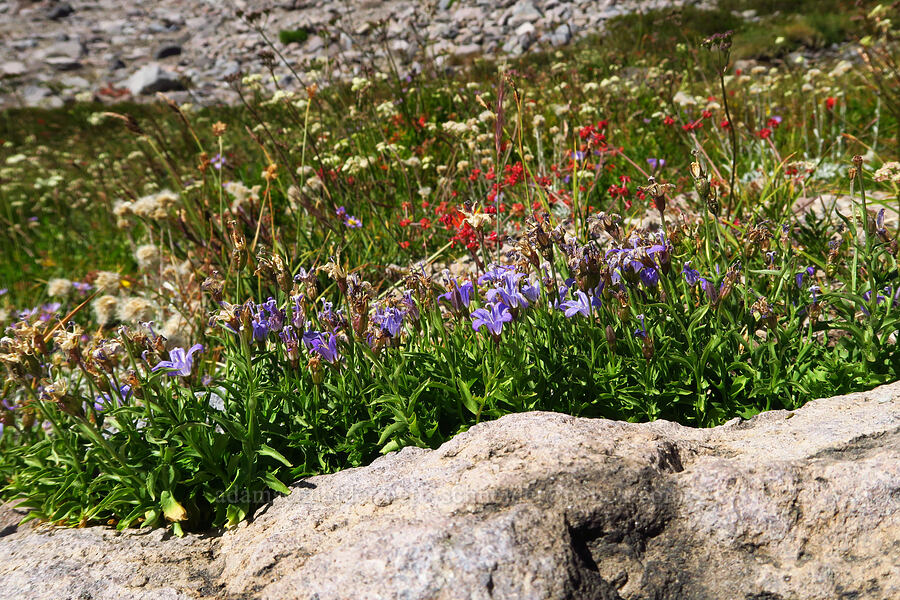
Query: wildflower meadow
201, 303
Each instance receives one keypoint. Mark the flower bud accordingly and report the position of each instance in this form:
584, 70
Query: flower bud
315, 369
611, 338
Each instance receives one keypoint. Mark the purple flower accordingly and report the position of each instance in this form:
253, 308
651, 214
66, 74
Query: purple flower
104, 400
641, 332
412, 309
493, 317
509, 292
217, 161
273, 316
458, 296
798, 278
656, 163
580, 305
297, 313
389, 319
815, 291
260, 328
334, 319
650, 276
532, 291
691, 276
349, 221
291, 342
326, 348
180, 362
494, 273
879, 224
81, 287
710, 289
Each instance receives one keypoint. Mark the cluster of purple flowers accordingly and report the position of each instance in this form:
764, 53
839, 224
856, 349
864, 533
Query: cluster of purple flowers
503, 301
639, 263
44, 313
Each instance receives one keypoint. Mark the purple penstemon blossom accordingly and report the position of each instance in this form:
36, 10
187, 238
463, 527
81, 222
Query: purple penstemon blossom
260, 327
709, 288
389, 319
691, 276
492, 316
298, 317
532, 291
217, 161
880, 231
412, 309
656, 163
641, 332
324, 344
580, 304
494, 273
815, 290
798, 278
879, 299
273, 316
106, 400
291, 342
180, 362
459, 296
509, 291
650, 276
334, 319
661, 253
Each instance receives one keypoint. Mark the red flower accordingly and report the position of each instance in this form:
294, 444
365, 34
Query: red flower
425, 223
764, 133
669, 121
706, 114
725, 124
404, 222
830, 102
404, 244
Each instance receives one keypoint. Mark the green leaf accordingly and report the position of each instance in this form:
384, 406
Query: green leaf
272, 452
274, 483
391, 430
172, 509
